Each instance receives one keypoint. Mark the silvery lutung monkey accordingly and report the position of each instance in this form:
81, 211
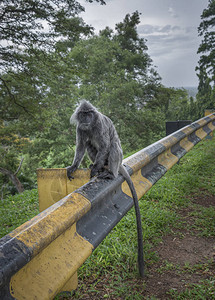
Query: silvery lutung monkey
96, 134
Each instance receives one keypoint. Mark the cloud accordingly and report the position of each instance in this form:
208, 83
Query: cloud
168, 37
172, 48
169, 26
172, 12
156, 30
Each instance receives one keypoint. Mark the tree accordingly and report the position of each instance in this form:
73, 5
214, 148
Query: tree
11, 144
173, 103
34, 37
33, 23
31, 31
37, 109
117, 76
206, 69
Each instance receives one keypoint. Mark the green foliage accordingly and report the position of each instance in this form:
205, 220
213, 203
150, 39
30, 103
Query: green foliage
205, 69
204, 290
175, 104
16, 210
38, 34
205, 221
207, 46
29, 25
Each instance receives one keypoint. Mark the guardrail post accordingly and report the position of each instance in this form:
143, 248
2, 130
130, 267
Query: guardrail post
54, 185
172, 126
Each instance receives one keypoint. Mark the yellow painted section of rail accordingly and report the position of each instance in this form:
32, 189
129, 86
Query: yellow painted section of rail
211, 126
45, 275
167, 159
141, 185
53, 185
137, 160
169, 141
202, 122
188, 130
47, 226
208, 113
201, 133
186, 144
81, 177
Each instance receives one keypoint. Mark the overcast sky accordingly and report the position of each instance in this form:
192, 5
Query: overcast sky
170, 27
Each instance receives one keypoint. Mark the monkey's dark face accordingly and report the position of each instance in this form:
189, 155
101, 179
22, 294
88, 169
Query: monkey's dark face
86, 119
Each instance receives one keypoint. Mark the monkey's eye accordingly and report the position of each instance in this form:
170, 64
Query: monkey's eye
85, 116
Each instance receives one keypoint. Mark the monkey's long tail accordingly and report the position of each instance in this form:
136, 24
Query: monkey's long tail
127, 177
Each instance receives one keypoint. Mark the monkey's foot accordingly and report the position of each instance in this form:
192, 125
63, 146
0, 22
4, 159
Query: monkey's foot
106, 175
69, 171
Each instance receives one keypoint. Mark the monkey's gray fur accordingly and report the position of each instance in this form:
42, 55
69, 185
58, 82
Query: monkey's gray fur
96, 133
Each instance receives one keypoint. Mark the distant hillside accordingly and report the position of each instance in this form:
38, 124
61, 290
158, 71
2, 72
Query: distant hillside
192, 91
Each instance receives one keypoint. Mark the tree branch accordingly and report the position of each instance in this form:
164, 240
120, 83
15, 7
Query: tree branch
19, 167
13, 97
18, 185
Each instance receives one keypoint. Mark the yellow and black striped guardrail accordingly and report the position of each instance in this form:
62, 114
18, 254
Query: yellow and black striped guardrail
41, 257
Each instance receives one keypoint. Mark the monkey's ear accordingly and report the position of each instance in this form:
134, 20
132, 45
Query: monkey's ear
73, 119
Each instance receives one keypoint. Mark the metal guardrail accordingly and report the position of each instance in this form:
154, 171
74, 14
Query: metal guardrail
39, 258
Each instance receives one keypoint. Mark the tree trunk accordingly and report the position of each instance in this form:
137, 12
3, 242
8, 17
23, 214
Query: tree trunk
18, 185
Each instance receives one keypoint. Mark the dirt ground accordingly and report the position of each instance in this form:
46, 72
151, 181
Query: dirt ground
184, 257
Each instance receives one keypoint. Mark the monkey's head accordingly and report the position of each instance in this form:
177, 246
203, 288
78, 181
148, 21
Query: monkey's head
84, 115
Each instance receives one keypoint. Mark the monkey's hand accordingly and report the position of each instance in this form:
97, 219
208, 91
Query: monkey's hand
69, 171
94, 171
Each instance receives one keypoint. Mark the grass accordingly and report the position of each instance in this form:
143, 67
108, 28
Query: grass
202, 291
111, 271
16, 210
